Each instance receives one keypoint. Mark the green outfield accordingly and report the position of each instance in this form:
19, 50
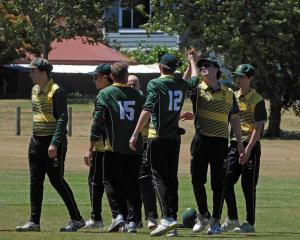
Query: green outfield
278, 192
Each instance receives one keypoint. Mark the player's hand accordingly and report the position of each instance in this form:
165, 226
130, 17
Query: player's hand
52, 151
241, 151
88, 158
245, 157
186, 116
132, 142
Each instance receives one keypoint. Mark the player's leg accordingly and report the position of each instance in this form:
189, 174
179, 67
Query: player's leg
232, 175
199, 166
250, 173
55, 171
96, 188
113, 172
218, 164
37, 176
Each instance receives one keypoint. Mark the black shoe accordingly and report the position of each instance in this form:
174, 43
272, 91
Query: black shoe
73, 226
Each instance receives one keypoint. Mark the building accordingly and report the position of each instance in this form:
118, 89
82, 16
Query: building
127, 33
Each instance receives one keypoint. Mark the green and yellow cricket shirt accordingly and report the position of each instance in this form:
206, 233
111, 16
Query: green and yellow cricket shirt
165, 97
117, 110
252, 110
212, 110
49, 108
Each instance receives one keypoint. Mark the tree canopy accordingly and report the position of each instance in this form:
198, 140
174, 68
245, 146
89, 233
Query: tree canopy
263, 33
46, 20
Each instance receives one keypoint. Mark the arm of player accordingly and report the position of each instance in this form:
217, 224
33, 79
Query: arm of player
61, 115
143, 119
97, 127
186, 116
88, 155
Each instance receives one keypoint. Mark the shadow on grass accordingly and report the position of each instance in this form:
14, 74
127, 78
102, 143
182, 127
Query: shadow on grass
285, 135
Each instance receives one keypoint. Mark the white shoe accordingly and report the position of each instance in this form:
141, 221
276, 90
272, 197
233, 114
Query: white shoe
165, 225
229, 224
116, 223
201, 223
29, 227
245, 228
131, 227
172, 233
94, 224
152, 223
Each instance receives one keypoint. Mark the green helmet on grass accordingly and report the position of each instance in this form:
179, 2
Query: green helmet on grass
189, 217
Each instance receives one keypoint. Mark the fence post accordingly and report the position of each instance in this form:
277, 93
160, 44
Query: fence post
70, 122
18, 121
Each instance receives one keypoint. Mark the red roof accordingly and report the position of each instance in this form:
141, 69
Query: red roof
78, 52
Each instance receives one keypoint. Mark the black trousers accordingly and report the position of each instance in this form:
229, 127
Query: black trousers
249, 179
40, 164
121, 184
163, 155
96, 187
147, 188
208, 150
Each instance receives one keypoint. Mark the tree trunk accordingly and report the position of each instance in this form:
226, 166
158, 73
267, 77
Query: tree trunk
274, 118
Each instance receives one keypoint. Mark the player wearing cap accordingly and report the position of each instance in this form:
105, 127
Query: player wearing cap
94, 158
253, 116
165, 97
117, 109
48, 146
214, 105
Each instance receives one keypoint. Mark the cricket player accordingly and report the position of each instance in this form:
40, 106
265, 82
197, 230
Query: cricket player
253, 116
165, 97
117, 110
48, 146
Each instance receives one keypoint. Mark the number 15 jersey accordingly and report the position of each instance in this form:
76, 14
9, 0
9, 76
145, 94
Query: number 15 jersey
117, 109
165, 98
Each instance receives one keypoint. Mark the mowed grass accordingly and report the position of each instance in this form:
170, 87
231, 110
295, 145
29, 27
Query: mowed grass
278, 192
277, 208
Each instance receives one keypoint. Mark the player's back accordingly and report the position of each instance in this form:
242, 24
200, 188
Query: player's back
124, 105
165, 100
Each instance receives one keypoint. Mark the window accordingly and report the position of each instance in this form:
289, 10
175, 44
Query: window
133, 14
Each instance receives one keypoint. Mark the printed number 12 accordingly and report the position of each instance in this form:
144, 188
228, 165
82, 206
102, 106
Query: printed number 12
175, 98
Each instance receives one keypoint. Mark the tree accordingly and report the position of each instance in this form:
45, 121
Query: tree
13, 36
264, 33
48, 20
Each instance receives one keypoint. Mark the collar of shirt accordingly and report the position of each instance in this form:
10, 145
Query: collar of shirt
120, 84
47, 87
205, 87
166, 76
247, 96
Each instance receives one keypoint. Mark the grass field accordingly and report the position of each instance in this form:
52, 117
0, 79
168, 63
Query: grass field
278, 192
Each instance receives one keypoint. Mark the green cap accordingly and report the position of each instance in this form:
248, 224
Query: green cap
169, 60
244, 70
42, 64
205, 60
104, 69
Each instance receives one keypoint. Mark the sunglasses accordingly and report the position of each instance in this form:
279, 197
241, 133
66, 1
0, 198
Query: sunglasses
207, 65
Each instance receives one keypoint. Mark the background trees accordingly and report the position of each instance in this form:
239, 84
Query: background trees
263, 33
42, 21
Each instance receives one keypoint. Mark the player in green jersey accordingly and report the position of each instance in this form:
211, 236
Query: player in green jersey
94, 159
165, 97
117, 110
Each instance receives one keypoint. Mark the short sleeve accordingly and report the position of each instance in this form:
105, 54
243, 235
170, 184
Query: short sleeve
260, 113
